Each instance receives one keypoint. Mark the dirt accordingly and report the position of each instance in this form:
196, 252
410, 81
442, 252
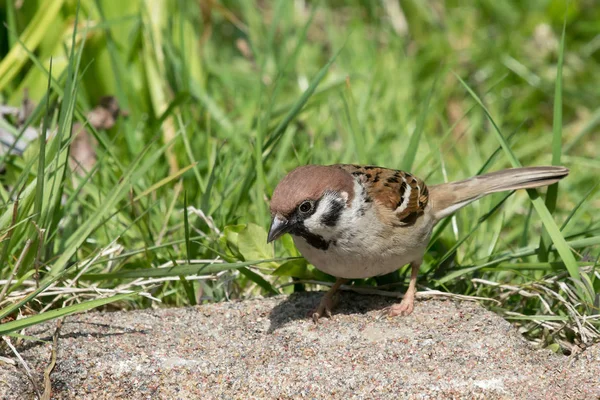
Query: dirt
268, 348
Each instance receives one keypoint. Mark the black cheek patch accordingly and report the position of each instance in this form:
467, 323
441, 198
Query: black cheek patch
332, 216
312, 239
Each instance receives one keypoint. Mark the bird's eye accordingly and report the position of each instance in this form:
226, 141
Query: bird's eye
305, 207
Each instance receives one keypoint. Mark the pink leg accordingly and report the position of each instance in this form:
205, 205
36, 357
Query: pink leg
408, 301
328, 301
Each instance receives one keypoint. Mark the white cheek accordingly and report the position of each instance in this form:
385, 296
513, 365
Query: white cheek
348, 218
313, 223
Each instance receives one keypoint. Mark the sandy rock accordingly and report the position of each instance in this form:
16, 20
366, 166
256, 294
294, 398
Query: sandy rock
269, 349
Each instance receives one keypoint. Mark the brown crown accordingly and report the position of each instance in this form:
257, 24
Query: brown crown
309, 182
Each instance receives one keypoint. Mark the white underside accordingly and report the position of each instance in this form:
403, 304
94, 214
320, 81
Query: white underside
364, 246
342, 263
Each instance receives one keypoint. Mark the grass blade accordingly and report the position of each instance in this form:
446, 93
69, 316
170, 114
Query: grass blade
164, 181
4, 312
90, 224
415, 138
259, 280
557, 238
32, 36
186, 227
552, 193
291, 114
297, 107
39, 195
23, 323
179, 270
578, 206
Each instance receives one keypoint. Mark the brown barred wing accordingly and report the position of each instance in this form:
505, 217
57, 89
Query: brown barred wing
399, 191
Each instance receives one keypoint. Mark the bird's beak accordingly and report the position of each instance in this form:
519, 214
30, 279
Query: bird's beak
279, 227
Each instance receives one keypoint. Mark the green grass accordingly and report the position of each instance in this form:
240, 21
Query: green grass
223, 98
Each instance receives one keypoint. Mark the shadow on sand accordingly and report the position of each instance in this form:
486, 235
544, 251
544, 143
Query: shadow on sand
301, 305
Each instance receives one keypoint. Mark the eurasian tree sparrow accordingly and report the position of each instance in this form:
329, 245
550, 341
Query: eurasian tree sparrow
355, 222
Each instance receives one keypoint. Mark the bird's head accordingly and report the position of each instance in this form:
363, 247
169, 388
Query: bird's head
310, 198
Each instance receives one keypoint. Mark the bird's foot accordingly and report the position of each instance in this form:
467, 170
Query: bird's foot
404, 308
328, 302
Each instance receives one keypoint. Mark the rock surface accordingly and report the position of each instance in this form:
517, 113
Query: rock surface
269, 349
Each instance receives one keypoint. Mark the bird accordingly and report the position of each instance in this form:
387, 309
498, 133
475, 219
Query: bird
361, 221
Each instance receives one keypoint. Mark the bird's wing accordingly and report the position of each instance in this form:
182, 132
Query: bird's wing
400, 192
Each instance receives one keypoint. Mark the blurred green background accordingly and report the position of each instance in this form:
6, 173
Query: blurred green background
217, 100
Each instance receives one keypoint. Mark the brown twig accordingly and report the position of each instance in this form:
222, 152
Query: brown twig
47, 382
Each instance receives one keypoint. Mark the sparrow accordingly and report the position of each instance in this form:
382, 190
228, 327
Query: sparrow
361, 221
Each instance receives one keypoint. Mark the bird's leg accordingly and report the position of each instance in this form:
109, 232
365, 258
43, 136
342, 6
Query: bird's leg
405, 307
328, 301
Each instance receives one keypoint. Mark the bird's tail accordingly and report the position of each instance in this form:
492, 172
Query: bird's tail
446, 198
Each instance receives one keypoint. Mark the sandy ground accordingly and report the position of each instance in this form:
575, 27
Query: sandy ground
269, 349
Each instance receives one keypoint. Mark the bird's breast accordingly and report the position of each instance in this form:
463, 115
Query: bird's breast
366, 249
357, 261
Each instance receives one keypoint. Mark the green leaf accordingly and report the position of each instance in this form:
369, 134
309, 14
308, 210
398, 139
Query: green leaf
295, 268
252, 243
289, 246
554, 347
229, 240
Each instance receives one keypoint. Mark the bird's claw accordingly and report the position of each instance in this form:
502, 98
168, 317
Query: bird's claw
324, 308
403, 309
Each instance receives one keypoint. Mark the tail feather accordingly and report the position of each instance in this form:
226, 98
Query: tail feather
449, 197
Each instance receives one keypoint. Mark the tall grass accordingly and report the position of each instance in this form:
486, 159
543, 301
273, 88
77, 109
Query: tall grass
218, 100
